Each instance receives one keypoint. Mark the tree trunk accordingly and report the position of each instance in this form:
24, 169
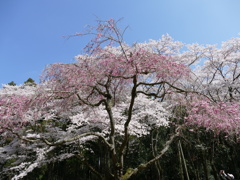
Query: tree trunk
154, 153
215, 172
204, 163
180, 164
183, 159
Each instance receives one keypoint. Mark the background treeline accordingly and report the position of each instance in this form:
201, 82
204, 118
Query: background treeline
197, 154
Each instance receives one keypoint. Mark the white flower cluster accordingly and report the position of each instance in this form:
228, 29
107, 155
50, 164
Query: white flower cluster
147, 114
17, 90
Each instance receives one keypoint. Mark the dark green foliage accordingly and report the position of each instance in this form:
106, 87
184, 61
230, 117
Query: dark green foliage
9, 162
30, 82
205, 155
12, 83
67, 169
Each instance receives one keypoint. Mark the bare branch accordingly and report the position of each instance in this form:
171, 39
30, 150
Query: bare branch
150, 94
90, 104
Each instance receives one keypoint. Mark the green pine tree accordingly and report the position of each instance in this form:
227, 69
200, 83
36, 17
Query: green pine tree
12, 83
30, 82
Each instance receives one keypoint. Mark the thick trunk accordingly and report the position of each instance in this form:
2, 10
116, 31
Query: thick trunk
126, 126
112, 139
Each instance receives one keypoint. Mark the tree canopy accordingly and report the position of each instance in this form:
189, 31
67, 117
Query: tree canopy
115, 95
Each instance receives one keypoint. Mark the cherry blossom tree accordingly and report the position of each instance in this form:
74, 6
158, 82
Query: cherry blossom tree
216, 76
217, 69
118, 89
116, 92
106, 76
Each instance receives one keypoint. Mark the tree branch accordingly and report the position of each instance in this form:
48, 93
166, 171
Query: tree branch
126, 125
150, 94
61, 142
143, 166
22, 138
90, 104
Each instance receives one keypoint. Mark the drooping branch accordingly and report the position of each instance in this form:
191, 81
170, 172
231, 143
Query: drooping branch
90, 104
61, 142
21, 137
143, 166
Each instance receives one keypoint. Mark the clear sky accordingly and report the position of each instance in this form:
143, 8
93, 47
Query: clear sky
31, 31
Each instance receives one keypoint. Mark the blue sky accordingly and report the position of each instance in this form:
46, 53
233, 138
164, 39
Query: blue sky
31, 31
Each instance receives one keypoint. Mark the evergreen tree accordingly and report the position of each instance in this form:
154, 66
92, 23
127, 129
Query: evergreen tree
30, 82
12, 83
